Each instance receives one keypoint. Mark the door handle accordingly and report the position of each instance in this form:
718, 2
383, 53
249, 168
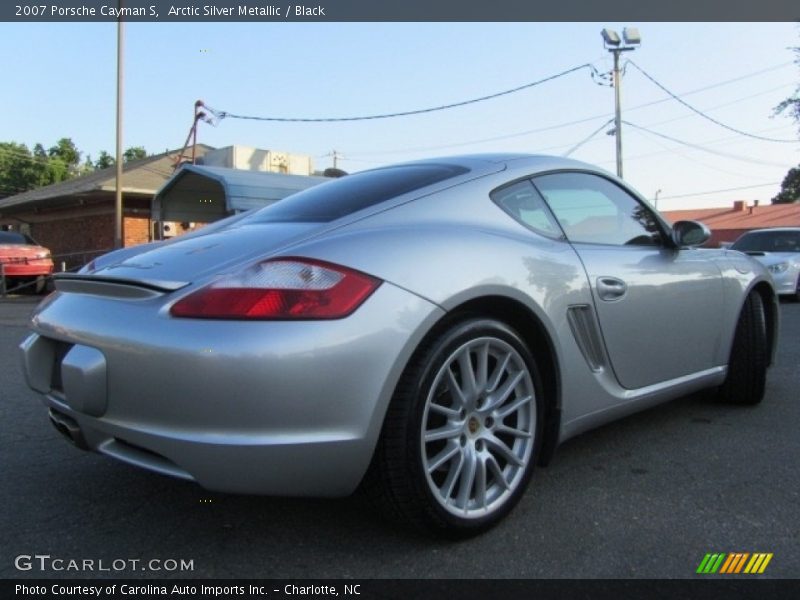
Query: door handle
611, 288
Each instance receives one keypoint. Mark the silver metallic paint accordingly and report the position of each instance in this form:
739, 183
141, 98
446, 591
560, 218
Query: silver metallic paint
295, 408
218, 398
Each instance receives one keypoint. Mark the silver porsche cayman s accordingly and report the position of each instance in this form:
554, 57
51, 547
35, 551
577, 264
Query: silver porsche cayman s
429, 331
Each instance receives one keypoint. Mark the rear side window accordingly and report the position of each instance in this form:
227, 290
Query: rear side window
524, 204
335, 199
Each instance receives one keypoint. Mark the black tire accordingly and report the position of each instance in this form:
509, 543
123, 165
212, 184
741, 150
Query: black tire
747, 367
414, 480
41, 285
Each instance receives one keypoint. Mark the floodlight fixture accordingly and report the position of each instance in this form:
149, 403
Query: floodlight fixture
631, 36
610, 37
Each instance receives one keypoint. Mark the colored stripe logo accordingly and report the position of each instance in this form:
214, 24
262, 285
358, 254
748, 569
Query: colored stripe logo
733, 563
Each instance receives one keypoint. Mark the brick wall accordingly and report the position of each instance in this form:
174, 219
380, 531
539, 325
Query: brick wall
75, 241
135, 231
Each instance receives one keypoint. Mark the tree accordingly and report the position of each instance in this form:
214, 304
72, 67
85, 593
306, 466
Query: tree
41, 166
57, 170
22, 170
39, 152
65, 151
790, 188
65, 160
87, 166
792, 104
134, 153
18, 171
104, 161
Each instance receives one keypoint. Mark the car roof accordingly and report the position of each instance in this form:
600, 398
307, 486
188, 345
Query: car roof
513, 161
773, 230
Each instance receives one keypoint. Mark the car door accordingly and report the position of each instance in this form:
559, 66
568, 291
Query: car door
658, 306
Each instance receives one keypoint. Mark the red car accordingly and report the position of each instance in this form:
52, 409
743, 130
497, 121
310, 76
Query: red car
24, 261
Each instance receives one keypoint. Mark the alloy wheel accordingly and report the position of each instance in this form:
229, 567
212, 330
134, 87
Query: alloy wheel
478, 427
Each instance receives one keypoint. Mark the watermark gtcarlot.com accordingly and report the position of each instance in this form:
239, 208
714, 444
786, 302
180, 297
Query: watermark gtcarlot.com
48, 563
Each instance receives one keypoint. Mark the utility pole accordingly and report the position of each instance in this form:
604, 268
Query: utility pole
118, 241
613, 44
618, 113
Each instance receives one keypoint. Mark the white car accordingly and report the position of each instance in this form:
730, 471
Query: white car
777, 249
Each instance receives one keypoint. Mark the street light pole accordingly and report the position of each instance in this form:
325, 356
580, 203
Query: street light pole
118, 242
617, 112
614, 45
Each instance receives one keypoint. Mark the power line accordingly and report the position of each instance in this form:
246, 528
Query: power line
733, 189
227, 115
705, 116
21, 155
686, 157
714, 85
356, 157
707, 143
44, 160
704, 149
484, 140
589, 137
582, 120
725, 105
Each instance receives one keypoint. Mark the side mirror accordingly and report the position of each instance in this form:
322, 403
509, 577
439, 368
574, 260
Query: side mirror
690, 234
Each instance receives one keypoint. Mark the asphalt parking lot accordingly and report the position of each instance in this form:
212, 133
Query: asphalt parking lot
647, 496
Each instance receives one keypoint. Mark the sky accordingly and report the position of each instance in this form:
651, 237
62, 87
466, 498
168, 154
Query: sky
59, 80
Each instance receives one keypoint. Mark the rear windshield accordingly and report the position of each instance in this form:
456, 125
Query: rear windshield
769, 241
12, 237
332, 200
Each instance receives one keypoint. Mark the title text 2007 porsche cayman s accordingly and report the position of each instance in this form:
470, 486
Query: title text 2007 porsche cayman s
430, 330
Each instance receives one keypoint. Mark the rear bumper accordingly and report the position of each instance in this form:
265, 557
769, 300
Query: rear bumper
25, 270
279, 408
325, 466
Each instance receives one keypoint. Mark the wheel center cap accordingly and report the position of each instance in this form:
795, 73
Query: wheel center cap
474, 425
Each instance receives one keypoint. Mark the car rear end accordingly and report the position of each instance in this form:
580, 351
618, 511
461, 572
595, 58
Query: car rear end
223, 358
284, 406
23, 261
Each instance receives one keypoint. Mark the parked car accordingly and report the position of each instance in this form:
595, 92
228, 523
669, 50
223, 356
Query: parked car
429, 331
779, 250
24, 261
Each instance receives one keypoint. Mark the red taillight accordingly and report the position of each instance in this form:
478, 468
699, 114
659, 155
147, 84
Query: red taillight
287, 288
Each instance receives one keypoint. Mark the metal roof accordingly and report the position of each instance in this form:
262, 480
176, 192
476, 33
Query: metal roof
142, 177
242, 189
